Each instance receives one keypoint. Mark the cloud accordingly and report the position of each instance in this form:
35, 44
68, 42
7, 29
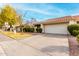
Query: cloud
34, 10
38, 11
45, 10
74, 14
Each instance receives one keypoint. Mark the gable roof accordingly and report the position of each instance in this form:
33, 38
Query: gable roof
65, 19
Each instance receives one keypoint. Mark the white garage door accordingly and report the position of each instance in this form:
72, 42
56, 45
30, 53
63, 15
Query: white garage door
56, 29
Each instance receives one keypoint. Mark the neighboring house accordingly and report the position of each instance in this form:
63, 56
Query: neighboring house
58, 25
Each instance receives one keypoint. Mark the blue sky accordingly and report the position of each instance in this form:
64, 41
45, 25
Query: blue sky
44, 11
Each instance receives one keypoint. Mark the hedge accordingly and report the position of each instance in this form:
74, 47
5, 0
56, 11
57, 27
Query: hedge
28, 29
39, 30
73, 29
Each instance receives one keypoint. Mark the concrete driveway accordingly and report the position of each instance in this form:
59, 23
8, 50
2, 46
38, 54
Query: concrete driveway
37, 45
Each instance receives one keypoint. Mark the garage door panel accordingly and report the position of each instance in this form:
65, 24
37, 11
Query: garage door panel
56, 29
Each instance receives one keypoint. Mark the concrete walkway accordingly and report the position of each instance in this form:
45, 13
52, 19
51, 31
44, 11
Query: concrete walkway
37, 45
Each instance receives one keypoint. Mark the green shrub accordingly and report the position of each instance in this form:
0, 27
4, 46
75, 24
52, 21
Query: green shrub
75, 32
77, 38
73, 29
39, 30
24, 29
31, 29
28, 29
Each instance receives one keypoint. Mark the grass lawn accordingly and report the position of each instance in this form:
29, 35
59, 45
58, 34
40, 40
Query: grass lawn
17, 35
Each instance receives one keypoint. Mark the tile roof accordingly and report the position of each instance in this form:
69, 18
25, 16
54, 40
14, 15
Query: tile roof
60, 20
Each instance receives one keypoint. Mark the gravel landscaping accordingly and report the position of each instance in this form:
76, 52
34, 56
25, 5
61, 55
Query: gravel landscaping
74, 46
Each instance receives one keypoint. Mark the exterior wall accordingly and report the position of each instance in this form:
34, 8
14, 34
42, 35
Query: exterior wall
72, 22
56, 29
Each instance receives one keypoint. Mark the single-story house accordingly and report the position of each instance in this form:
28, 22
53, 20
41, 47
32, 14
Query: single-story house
58, 25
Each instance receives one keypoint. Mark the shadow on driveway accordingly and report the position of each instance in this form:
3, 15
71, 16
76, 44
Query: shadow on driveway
55, 49
55, 35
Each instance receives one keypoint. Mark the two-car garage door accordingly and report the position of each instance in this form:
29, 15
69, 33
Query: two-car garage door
56, 29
